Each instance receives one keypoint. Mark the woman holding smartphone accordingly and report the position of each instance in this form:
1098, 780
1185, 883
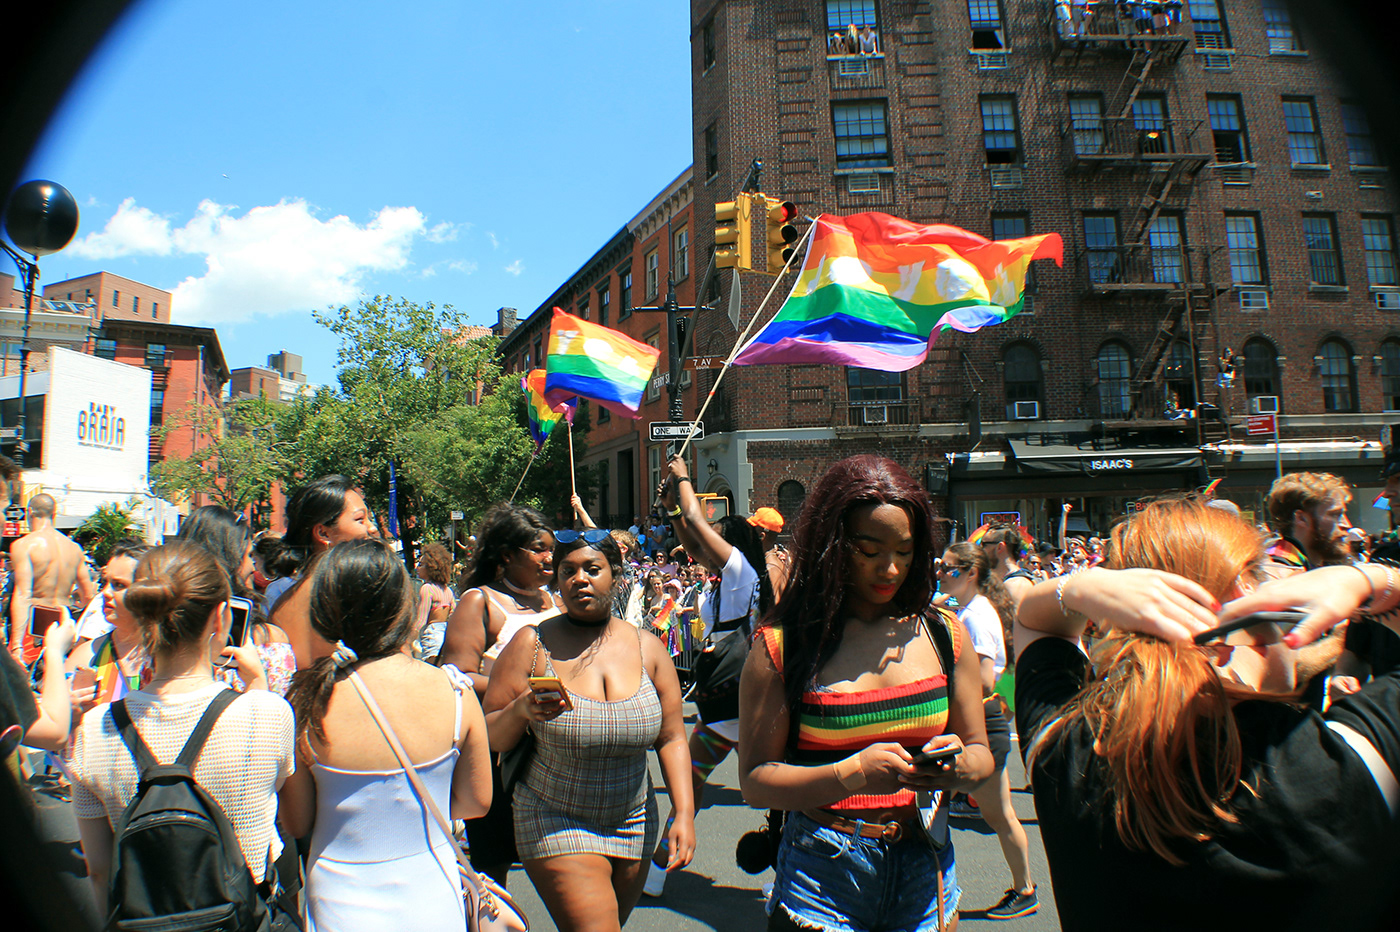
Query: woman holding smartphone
602, 693
852, 680
1179, 759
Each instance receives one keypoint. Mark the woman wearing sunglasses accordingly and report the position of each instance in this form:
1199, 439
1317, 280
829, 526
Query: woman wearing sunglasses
1177, 781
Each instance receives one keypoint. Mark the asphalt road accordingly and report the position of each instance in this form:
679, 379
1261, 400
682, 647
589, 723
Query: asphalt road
712, 893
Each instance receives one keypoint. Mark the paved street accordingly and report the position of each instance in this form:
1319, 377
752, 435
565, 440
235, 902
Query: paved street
713, 893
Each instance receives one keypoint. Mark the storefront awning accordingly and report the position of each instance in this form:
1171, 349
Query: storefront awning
1085, 460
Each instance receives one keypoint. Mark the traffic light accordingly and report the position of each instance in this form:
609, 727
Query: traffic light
733, 233
781, 235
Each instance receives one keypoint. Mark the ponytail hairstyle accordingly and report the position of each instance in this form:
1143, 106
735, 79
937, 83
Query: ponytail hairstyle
739, 533
319, 502
505, 527
1161, 715
988, 583
224, 534
172, 593
361, 596
279, 562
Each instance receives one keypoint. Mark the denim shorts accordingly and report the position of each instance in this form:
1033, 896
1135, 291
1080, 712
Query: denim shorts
835, 882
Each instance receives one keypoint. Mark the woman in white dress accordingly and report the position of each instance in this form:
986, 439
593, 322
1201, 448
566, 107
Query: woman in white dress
378, 861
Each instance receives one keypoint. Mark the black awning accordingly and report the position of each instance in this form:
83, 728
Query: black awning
1085, 460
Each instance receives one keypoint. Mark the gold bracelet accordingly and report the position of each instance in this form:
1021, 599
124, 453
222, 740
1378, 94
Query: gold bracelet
849, 773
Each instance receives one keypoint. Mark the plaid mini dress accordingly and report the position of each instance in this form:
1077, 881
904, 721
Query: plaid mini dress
587, 789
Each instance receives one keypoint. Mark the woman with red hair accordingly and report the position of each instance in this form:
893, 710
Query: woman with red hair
1177, 781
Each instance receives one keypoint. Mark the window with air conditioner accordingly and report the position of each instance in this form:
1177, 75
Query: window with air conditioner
1024, 381
1025, 411
1260, 369
1242, 240
1263, 404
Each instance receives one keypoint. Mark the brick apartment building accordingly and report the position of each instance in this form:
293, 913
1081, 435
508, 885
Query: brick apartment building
1223, 210
282, 379
629, 271
118, 298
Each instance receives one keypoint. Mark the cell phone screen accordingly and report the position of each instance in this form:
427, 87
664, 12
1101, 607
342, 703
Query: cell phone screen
242, 610
938, 756
42, 617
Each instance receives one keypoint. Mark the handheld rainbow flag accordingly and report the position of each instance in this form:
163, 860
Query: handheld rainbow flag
663, 618
874, 289
596, 362
543, 415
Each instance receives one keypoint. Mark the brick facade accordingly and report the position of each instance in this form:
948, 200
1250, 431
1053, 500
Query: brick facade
118, 298
764, 86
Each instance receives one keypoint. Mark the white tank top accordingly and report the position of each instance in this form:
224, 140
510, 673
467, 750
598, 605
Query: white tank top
515, 620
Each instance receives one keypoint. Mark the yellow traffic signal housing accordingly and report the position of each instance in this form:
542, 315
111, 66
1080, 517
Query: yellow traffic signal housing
781, 233
733, 233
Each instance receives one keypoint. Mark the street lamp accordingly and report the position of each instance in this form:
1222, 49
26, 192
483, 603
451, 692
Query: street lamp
40, 219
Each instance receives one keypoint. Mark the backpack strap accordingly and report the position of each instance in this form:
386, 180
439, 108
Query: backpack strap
195, 743
140, 751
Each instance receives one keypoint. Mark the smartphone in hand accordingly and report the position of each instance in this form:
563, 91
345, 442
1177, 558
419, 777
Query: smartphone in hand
943, 756
240, 629
551, 687
42, 617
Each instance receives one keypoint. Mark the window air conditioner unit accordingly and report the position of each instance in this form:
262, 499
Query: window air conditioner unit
1388, 300
1254, 300
875, 414
1026, 411
863, 183
1263, 404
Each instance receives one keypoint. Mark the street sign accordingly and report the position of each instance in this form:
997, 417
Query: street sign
458, 516
14, 513
703, 362
662, 431
12, 529
1255, 424
660, 381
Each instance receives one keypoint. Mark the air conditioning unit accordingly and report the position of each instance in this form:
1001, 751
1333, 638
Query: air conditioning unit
863, 183
1263, 404
1388, 300
1254, 300
875, 414
1025, 411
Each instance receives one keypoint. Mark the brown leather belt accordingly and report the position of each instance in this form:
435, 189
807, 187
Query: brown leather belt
889, 831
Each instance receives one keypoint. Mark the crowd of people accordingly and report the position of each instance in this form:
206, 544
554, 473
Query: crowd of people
1076, 18
1201, 703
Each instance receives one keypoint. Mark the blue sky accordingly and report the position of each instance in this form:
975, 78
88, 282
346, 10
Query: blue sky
269, 158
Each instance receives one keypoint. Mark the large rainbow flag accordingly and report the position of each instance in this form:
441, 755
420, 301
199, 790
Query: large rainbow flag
596, 362
874, 289
543, 415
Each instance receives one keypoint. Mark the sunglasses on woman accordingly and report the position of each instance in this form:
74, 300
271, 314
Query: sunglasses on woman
592, 535
951, 569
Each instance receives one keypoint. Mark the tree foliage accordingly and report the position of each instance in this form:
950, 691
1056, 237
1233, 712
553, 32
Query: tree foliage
102, 530
239, 464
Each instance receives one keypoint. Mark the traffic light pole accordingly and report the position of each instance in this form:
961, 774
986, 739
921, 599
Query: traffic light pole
673, 347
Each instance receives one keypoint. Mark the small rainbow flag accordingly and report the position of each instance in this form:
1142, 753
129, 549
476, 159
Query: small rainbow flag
543, 415
663, 618
874, 289
596, 362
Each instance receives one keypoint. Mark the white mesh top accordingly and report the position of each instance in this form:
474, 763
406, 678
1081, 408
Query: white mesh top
245, 760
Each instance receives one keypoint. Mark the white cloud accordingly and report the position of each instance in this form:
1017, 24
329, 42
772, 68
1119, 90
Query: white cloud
516, 267
495, 243
465, 266
132, 231
270, 260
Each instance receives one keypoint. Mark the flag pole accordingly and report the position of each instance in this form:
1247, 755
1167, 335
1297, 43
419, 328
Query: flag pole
740, 343
522, 477
573, 488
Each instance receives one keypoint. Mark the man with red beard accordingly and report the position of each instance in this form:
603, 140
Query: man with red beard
1308, 510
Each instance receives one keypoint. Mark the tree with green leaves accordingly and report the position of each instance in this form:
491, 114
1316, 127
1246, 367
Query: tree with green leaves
109, 524
238, 465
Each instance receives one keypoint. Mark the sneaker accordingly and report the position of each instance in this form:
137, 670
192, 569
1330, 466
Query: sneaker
656, 879
964, 807
1014, 905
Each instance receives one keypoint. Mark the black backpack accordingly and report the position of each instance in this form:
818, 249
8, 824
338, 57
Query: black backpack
176, 863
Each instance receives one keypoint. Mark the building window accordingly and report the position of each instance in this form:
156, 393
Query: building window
651, 266
1168, 252
1208, 22
653, 390
116, 299
1338, 378
539, 352
1304, 140
1320, 237
1361, 147
872, 386
1278, 26
707, 44
681, 253
1246, 251
1227, 129
1015, 226
604, 305
603, 490
604, 415
1261, 369
1101, 245
135, 306
841, 16
862, 137
791, 496
157, 407
1115, 380
655, 460
1378, 241
1181, 376
155, 309
624, 306
1000, 133
155, 355
1390, 375
1086, 123
1023, 380
583, 306
711, 151
105, 349
985, 19
1150, 122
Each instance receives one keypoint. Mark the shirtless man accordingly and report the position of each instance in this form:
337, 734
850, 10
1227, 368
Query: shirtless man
47, 568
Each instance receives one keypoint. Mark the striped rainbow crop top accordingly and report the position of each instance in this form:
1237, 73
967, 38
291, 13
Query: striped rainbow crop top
832, 725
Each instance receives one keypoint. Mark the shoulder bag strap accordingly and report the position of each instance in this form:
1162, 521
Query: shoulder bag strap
195, 743
140, 751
